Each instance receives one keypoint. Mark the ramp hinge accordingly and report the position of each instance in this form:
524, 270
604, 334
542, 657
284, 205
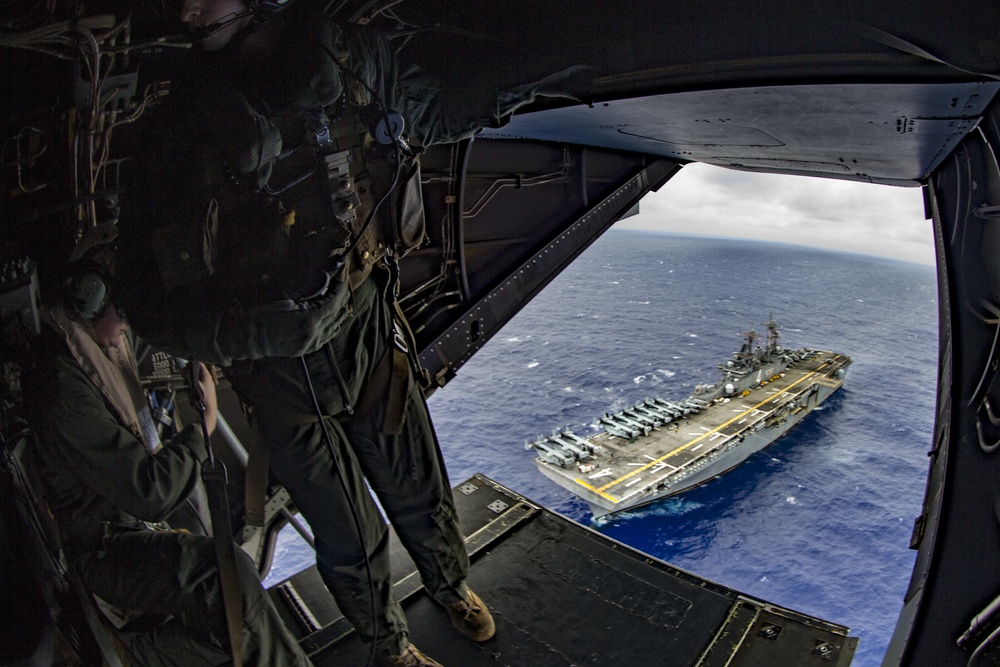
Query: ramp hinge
918, 531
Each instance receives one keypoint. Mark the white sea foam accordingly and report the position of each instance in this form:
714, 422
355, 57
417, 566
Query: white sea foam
671, 507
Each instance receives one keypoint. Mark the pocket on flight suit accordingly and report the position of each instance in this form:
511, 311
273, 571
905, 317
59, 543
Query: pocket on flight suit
389, 460
451, 554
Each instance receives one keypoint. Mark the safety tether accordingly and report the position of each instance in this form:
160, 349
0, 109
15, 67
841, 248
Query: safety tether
215, 479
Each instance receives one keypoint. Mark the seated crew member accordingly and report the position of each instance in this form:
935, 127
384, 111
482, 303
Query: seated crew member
252, 270
108, 480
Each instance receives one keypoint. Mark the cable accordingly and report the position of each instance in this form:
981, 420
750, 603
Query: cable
350, 503
24, 161
88, 41
197, 515
993, 348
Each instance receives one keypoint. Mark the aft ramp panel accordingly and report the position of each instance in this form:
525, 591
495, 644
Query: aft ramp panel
563, 594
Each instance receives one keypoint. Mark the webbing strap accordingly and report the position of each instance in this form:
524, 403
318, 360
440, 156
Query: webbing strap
399, 380
411, 343
213, 474
258, 464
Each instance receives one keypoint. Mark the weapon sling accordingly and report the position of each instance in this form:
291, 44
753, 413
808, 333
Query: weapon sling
213, 474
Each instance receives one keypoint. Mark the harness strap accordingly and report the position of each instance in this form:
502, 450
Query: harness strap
399, 385
255, 493
411, 343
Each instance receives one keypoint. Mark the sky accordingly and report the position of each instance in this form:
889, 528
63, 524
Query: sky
705, 200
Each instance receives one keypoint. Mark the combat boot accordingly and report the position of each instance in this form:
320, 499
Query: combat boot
410, 657
472, 618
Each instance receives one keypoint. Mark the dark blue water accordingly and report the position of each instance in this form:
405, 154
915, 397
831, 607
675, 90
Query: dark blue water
818, 522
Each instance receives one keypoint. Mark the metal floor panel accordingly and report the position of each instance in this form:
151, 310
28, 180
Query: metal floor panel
562, 594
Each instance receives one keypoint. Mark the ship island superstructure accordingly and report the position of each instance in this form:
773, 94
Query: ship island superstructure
657, 448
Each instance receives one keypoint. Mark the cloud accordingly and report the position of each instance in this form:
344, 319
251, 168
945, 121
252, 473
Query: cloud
839, 215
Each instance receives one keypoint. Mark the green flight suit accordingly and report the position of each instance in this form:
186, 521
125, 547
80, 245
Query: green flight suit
405, 471
220, 270
224, 313
102, 485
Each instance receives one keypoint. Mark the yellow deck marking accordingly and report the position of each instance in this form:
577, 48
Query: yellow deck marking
598, 491
700, 437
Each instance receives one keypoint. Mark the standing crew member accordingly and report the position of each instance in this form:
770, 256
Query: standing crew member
273, 199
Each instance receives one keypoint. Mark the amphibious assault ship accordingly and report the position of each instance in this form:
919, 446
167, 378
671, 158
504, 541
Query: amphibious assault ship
657, 448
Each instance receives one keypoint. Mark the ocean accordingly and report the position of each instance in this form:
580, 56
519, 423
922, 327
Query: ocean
820, 521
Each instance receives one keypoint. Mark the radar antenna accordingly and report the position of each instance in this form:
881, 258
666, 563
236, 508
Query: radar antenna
773, 335
749, 338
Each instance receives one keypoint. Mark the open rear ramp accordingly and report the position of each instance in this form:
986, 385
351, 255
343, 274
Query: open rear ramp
563, 594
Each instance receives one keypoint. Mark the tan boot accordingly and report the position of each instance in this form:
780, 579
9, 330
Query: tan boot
472, 618
410, 657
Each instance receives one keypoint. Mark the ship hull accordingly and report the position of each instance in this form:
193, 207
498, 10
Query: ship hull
696, 448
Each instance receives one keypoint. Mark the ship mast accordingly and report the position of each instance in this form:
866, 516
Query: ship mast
747, 355
772, 336
749, 337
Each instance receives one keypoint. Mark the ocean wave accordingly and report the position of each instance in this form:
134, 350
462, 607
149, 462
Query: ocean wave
670, 507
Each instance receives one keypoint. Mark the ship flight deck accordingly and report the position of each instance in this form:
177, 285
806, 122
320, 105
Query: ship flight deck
698, 442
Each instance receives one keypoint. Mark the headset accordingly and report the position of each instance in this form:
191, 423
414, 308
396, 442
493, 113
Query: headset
88, 295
